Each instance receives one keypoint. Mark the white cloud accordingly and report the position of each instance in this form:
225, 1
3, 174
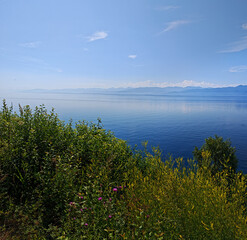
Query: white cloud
237, 46
175, 24
166, 8
244, 26
132, 56
30, 44
97, 36
237, 69
185, 83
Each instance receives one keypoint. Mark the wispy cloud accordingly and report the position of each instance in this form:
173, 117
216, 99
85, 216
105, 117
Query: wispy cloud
237, 46
238, 69
172, 25
97, 36
244, 26
132, 56
30, 44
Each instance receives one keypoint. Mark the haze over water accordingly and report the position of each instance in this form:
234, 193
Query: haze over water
175, 124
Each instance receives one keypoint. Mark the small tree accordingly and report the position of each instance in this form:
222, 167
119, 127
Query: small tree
216, 155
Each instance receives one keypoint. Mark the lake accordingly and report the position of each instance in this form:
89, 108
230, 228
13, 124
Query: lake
174, 123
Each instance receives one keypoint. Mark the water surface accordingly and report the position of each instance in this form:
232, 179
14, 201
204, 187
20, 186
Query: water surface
175, 124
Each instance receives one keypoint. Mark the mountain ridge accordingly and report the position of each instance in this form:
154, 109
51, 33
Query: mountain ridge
186, 91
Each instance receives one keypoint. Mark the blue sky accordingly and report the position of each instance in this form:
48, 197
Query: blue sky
133, 43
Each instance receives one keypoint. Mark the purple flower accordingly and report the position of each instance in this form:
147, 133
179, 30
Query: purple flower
81, 197
148, 216
100, 198
81, 210
86, 224
120, 187
110, 199
74, 218
114, 189
110, 216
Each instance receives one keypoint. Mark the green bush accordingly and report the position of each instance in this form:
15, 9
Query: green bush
63, 182
216, 155
43, 159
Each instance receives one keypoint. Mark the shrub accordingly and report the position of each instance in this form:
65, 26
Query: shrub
63, 182
216, 155
43, 160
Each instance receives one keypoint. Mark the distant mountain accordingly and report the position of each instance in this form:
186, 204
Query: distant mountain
240, 90
156, 90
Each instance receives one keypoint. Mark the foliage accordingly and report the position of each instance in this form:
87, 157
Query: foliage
43, 160
63, 182
216, 155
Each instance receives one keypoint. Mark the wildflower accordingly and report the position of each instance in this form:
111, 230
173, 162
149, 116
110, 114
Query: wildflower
86, 224
148, 216
81, 197
114, 189
72, 204
110, 199
100, 198
120, 187
110, 216
74, 218
81, 210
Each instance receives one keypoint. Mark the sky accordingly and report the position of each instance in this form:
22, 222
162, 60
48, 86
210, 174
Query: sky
56, 44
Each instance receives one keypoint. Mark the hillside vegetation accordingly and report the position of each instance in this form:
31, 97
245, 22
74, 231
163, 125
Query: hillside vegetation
65, 181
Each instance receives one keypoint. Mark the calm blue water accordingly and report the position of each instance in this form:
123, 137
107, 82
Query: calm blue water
175, 124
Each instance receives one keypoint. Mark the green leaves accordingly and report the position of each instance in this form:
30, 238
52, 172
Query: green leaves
63, 182
216, 155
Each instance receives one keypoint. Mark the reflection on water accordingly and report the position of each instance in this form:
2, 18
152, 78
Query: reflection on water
176, 124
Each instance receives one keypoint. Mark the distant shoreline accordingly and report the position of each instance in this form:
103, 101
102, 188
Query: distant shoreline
240, 90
